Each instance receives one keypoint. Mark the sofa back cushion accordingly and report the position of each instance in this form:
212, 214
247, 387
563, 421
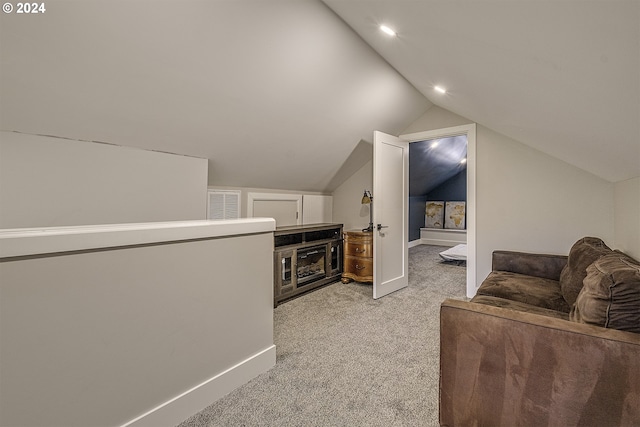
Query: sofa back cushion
611, 294
582, 254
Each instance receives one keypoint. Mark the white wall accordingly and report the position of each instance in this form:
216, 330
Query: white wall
101, 337
47, 181
627, 216
347, 206
527, 200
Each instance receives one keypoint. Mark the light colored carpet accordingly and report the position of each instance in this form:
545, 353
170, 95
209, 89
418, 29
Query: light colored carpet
345, 359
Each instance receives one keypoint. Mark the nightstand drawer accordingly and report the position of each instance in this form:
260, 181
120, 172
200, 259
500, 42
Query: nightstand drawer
358, 248
358, 256
362, 267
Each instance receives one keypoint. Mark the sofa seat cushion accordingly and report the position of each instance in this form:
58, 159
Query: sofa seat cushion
518, 306
582, 254
611, 294
536, 291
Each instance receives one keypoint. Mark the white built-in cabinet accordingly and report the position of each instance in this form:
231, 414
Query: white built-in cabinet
290, 209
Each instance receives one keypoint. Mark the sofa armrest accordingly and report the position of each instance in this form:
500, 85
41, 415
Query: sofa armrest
504, 367
539, 265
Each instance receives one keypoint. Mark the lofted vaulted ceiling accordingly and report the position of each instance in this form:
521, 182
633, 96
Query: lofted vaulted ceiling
282, 93
560, 76
276, 94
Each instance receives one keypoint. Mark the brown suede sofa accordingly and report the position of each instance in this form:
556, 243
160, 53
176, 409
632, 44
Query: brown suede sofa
548, 340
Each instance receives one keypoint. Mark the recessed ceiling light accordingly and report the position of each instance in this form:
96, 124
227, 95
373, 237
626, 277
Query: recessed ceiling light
434, 144
387, 30
463, 161
439, 89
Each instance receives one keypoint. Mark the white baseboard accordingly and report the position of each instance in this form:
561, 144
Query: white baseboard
415, 243
439, 242
443, 237
181, 407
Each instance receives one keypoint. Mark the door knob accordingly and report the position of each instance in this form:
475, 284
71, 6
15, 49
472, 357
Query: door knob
380, 227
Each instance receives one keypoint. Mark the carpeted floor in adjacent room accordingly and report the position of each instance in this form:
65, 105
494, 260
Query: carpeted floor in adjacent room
345, 359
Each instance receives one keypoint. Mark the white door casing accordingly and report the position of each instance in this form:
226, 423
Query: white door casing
390, 211
470, 131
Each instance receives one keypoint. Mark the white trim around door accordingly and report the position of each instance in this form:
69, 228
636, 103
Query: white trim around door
470, 131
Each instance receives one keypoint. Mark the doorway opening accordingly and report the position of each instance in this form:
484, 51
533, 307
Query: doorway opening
438, 191
457, 134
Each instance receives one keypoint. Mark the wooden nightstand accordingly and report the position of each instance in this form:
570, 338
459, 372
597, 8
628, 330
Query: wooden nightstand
358, 256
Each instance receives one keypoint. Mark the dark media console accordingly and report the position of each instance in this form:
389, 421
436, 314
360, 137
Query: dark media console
305, 258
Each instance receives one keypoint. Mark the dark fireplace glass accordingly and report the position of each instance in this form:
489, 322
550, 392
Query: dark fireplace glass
335, 257
311, 264
286, 271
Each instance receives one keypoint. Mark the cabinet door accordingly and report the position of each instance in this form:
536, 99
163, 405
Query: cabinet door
359, 268
358, 247
334, 259
284, 268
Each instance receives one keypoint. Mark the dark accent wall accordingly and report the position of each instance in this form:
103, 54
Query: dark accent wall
416, 216
454, 189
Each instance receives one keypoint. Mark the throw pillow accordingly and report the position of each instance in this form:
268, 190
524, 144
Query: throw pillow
582, 254
611, 294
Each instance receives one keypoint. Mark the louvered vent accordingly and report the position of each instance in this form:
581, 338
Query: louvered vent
224, 204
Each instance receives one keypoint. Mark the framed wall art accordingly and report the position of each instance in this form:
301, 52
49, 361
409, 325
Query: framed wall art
454, 215
434, 214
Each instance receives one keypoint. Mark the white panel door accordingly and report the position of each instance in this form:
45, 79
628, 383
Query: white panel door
285, 212
284, 208
390, 217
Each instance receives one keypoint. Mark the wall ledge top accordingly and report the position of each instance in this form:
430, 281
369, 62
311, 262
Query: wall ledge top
18, 242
